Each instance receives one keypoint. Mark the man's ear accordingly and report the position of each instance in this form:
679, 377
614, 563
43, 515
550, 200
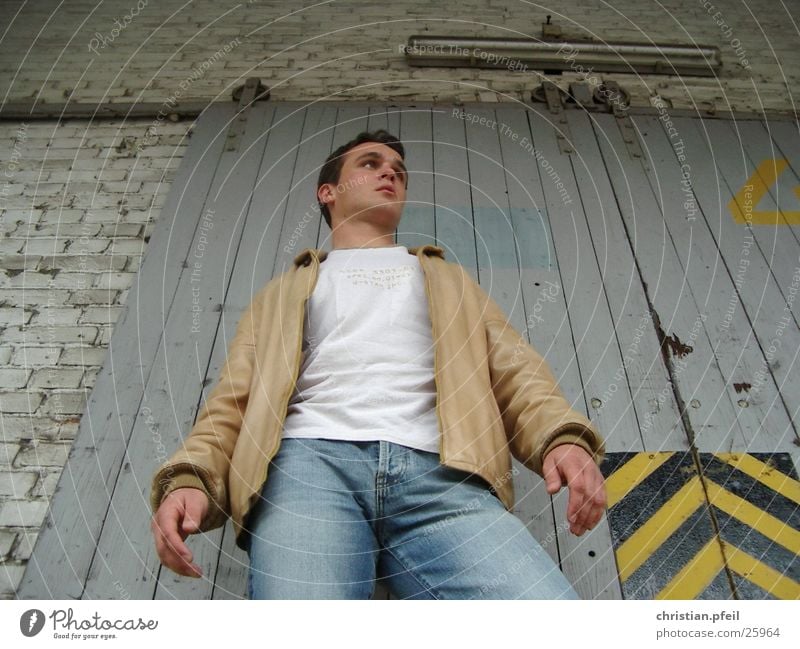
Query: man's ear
325, 193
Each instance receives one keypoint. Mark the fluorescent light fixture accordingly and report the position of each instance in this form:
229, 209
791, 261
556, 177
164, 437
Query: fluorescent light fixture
522, 54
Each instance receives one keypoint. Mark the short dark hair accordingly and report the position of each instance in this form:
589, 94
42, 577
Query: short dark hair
332, 168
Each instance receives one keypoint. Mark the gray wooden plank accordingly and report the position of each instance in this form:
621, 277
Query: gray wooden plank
680, 304
588, 559
498, 255
748, 300
546, 325
298, 141
641, 379
255, 266
755, 144
418, 225
171, 395
64, 548
455, 228
737, 151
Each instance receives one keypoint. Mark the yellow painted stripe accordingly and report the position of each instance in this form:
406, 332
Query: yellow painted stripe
620, 483
646, 540
764, 473
761, 574
696, 575
742, 205
756, 518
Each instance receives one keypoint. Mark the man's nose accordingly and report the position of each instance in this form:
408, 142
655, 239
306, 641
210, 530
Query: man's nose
388, 171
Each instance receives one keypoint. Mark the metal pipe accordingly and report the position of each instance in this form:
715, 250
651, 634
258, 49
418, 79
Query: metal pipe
521, 54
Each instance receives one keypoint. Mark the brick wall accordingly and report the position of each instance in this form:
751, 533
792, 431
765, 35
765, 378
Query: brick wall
79, 202
79, 199
350, 49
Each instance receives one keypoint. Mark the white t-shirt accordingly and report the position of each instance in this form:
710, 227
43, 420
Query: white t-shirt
367, 373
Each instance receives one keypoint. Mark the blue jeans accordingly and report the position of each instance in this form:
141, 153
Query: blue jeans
335, 515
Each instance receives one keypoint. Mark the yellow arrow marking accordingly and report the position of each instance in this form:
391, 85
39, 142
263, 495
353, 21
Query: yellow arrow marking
646, 540
774, 529
630, 474
696, 575
768, 475
757, 186
760, 574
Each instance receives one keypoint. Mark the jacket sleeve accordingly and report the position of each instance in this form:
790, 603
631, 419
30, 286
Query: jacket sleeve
536, 415
203, 460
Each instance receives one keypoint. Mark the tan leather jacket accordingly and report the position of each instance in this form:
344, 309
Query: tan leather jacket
495, 393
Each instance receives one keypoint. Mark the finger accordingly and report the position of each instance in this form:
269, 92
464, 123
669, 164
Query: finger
596, 499
193, 515
167, 552
552, 477
169, 521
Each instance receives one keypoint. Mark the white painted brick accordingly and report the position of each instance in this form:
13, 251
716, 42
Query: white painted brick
34, 356
113, 280
128, 247
102, 315
57, 316
72, 281
121, 230
7, 538
17, 484
25, 544
11, 245
89, 246
46, 484
43, 453
27, 279
8, 451
54, 377
63, 403
49, 335
67, 230
45, 246
84, 356
14, 316
22, 513
11, 402
10, 578
91, 296
20, 262
79, 259
14, 378
16, 428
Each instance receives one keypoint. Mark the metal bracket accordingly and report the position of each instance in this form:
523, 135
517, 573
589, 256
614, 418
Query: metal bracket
248, 94
619, 100
556, 98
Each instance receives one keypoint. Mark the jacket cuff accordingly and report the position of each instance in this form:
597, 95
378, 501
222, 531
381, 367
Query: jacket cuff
181, 481
169, 478
579, 437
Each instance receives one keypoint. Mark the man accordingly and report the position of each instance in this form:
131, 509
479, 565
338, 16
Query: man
365, 419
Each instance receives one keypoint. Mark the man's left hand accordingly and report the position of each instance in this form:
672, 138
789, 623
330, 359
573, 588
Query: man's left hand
570, 464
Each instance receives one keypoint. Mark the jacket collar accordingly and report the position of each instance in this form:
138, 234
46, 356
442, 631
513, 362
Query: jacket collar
309, 254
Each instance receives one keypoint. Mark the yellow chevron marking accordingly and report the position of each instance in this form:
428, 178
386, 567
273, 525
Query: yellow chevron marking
642, 543
760, 574
756, 518
630, 474
696, 575
764, 473
754, 189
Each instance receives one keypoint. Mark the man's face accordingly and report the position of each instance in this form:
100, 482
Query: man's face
371, 187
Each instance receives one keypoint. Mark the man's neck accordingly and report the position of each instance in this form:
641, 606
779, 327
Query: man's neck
361, 239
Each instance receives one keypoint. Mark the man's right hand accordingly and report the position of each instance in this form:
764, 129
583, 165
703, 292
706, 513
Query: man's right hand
179, 515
